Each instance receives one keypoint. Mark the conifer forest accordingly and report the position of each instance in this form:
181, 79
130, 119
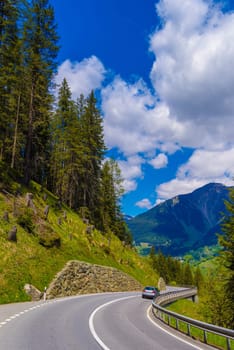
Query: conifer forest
59, 143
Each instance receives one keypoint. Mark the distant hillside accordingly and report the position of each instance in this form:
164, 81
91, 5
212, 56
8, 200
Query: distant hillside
38, 238
183, 223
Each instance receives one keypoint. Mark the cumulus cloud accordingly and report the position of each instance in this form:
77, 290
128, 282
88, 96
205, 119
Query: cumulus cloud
203, 167
144, 203
131, 170
132, 121
82, 77
209, 164
193, 70
160, 161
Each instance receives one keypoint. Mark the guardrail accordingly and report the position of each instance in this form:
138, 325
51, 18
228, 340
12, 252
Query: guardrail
167, 316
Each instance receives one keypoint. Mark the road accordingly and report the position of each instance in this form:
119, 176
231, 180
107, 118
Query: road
109, 321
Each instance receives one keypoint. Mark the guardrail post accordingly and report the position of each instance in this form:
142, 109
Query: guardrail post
205, 337
228, 344
188, 329
177, 323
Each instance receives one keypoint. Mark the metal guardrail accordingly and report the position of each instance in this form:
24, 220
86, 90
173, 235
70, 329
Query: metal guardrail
167, 298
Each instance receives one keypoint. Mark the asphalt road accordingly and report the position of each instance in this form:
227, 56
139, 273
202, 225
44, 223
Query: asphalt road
110, 321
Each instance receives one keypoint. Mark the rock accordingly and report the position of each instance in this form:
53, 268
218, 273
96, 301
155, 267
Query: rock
6, 216
89, 229
33, 292
161, 284
46, 211
79, 277
12, 235
29, 201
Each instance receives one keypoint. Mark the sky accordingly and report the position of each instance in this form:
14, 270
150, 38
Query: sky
163, 75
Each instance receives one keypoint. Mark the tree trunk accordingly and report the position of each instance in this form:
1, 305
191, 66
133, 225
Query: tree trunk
15, 134
27, 168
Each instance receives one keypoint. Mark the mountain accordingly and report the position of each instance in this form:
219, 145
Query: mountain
183, 223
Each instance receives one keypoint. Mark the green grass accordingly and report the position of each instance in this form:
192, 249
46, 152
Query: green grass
188, 308
29, 262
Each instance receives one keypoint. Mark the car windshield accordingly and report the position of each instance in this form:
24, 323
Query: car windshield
150, 288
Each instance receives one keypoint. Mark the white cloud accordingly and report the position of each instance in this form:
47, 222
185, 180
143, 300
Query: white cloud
82, 77
209, 165
132, 122
129, 185
144, 203
203, 167
160, 161
130, 171
177, 186
193, 71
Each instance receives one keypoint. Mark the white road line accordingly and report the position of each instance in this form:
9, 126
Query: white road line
91, 318
22, 313
170, 333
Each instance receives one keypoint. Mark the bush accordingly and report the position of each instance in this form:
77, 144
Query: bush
25, 220
47, 237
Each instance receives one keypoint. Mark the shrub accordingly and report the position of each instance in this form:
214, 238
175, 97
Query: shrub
47, 237
25, 220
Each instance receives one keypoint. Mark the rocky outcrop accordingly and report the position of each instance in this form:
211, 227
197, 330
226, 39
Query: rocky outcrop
79, 277
33, 292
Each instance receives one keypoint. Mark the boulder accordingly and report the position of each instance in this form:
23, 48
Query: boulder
33, 292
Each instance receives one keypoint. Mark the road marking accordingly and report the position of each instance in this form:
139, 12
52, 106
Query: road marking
25, 311
170, 333
91, 318
44, 303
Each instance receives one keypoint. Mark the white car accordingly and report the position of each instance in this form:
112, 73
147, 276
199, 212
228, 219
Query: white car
150, 292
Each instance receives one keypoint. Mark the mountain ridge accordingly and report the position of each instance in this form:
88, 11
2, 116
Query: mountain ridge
184, 222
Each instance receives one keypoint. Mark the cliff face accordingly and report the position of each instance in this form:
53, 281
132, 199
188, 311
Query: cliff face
79, 277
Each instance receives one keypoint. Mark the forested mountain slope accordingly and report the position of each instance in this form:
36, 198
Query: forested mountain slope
184, 222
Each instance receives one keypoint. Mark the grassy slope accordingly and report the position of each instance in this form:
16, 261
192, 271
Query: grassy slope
29, 262
187, 308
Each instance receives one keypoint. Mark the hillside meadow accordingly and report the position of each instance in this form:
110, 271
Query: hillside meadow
45, 242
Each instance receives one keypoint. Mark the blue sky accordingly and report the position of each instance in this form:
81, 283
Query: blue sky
163, 71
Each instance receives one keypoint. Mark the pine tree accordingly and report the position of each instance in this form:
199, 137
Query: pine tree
64, 163
93, 146
162, 266
40, 50
187, 275
111, 191
9, 64
227, 242
198, 279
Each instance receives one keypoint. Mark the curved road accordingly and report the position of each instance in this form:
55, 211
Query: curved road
110, 321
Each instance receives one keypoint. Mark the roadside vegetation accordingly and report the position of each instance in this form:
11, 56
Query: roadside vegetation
213, 278
44, 244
